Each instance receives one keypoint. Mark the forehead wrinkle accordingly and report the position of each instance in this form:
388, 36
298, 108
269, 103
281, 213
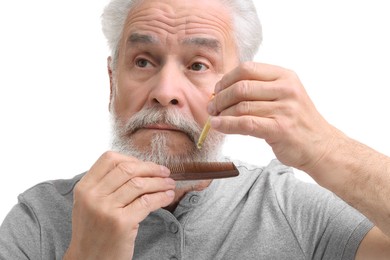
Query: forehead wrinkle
167, 26
176, 21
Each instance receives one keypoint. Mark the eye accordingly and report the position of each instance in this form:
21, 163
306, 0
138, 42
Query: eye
197, 66
142, 63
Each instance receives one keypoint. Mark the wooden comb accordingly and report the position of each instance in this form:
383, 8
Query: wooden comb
202, 170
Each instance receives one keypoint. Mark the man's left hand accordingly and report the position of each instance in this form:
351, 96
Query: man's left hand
270, 102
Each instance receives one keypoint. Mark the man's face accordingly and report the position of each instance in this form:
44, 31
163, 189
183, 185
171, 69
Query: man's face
171, 55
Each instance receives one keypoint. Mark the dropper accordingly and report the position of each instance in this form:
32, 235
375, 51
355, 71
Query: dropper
205, 130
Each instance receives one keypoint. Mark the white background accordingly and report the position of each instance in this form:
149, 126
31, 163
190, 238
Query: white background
54, 87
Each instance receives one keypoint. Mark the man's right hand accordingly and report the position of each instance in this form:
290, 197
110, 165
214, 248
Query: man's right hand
110, 201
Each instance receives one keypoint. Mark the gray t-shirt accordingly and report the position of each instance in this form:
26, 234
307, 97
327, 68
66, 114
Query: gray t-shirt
265, 213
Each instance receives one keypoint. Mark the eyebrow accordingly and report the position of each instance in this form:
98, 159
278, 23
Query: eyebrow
209, 43
137, 38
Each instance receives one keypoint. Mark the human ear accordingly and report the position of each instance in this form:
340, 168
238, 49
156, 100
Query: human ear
110, 74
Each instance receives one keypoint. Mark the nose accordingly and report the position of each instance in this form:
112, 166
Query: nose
168, 86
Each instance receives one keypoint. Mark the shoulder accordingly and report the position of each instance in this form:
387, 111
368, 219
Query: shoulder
274, 172
51, 192
61, 186
39, 226
274, 169
279, 184
256, 182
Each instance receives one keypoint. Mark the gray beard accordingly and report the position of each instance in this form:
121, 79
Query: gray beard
159, 151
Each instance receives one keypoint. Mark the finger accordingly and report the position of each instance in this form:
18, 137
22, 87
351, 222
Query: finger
137, 187
250, 71
125, 171
144, 205
106, 162
245, 91
253, 108
246, 125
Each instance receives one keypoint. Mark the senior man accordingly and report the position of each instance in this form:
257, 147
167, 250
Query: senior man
168, 58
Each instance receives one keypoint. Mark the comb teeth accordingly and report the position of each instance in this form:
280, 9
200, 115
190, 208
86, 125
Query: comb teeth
202, 170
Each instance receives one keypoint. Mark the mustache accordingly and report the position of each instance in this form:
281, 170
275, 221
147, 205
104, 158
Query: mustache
157, 115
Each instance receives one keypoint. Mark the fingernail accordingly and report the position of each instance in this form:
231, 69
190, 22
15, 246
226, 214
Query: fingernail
215, 122
217, 87
170, 193
210, 108
165, 171
170, 181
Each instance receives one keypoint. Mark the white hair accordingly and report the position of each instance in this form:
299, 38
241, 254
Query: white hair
247, 26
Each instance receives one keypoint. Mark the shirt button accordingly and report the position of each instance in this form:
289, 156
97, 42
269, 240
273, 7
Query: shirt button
194, 199
174, 228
